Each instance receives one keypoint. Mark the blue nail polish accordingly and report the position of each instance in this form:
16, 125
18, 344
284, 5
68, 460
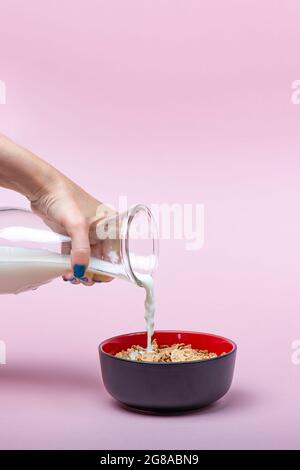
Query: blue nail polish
79, 270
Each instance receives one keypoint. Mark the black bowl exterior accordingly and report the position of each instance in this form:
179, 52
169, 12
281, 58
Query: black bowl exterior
167, 387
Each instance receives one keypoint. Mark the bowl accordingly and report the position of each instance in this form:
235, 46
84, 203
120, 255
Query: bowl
168, 387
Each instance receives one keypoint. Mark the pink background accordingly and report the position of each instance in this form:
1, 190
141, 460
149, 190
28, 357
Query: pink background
163, 101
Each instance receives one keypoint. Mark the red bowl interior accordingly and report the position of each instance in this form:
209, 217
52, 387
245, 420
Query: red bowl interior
212, 343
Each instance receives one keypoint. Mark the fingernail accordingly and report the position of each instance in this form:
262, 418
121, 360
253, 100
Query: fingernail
85, 279
71, 279
79, 270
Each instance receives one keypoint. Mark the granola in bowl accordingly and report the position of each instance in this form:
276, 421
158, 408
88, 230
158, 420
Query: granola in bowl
178, 352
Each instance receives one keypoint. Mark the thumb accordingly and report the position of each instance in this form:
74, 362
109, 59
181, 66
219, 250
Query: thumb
80, 252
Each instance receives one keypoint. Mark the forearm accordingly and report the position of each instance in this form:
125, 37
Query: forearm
22, 171
63, 205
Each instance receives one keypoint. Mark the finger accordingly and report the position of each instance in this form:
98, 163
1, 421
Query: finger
72, 280
86, 281
80, 252
68, 276
101, 278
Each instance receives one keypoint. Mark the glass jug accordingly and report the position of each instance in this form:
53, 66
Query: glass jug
123, 246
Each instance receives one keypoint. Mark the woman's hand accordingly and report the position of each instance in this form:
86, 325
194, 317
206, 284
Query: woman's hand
63, 205
68, 209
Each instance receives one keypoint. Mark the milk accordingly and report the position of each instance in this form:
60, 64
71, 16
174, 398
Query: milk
23, 269
148, 285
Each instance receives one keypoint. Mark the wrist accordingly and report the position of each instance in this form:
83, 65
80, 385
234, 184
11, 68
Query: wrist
46, 180
22, 171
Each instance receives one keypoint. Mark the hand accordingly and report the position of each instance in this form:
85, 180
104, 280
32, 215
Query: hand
68, 209
65, 207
